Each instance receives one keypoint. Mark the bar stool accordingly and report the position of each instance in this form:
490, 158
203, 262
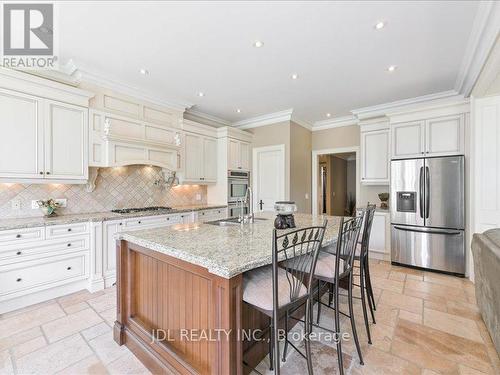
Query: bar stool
336, 263
286, 284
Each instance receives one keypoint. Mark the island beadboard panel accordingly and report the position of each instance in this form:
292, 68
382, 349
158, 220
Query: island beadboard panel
131, 186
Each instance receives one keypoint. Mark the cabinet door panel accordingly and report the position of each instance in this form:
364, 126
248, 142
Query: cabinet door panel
66, 139
444, 136
21, 144
193, 157
245, 156
377, 234
408, 140
375, 157
234, 154
210, 159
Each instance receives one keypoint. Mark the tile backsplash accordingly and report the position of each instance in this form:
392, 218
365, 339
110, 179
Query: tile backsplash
120, 187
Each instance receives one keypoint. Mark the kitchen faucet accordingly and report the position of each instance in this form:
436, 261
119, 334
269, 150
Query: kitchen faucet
249, 218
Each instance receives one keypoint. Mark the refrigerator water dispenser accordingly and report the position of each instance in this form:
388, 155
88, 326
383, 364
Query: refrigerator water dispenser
406, 201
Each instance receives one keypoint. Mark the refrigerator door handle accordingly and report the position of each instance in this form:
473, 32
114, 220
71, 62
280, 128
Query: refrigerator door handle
420, 193
427, 192
439, 231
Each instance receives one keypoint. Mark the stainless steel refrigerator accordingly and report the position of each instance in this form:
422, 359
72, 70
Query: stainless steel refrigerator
427, 213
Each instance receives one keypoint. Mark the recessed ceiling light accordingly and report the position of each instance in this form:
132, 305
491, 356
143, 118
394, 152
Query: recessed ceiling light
238, 110
328, 115
144, 72
258, 44
200, 94
392, 68
380, 25
294, 76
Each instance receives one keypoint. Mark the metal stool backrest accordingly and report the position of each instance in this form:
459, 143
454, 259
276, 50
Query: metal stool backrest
296, 252
346, 244
365, 237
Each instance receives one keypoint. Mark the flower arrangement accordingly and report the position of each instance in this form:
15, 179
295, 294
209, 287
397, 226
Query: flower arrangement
48, 207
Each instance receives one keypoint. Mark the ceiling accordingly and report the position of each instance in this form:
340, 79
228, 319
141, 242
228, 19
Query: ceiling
340, 58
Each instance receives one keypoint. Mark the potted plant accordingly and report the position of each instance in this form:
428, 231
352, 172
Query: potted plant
48, 207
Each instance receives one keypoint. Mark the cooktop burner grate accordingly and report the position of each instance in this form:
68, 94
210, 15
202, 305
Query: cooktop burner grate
140, 209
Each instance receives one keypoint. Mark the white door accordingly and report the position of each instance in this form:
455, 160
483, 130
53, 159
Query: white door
445, 136
193, 157
245, 156
268, 176
21, 144
66, 141
209, 159
234, 154
408, 140
375, 157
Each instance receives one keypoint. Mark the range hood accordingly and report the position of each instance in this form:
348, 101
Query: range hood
120, 141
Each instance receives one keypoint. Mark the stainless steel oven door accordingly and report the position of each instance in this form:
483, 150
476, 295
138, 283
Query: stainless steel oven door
237, 188
235, 210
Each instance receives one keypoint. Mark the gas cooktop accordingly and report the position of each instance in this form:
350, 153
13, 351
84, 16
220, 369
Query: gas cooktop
140, 209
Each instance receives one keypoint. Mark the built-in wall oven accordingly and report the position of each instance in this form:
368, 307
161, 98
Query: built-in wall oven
236, 210
238, 183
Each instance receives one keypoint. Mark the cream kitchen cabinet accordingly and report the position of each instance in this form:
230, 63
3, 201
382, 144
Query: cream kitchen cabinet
444, 136
41, 263
113, 227
200, 159
440, 136
408, 140
375, 163
238, 155
42, 140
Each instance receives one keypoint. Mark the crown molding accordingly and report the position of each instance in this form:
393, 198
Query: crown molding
302, 123
485, 31
383, 109
268, 119
88, 77
205, 118
336, 122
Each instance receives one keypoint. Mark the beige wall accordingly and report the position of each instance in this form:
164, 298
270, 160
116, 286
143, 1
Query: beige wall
275, 134
300, 167
346, 136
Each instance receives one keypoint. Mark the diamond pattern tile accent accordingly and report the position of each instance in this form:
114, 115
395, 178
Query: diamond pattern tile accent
120, 187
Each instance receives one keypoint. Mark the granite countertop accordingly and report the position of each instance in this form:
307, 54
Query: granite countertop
29, 222
225, 251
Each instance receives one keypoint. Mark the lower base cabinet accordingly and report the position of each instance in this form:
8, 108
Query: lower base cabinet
41, 263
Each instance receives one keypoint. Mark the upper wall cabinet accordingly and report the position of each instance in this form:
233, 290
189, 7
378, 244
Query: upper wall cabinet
444, 136
440, 136
44, 130
238, 155
200, 159
42, 140
375, 157
408, 140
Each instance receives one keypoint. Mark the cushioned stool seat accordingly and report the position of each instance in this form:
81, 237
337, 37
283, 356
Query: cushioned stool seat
258, 288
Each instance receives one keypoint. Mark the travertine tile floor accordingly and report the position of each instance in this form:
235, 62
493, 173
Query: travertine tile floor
427, 324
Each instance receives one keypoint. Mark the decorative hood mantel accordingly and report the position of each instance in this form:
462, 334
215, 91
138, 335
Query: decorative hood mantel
119, 141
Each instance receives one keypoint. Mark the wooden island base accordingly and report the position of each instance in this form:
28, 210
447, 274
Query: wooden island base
157, 291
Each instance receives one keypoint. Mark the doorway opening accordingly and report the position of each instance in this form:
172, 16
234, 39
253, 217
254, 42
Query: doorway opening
336, 185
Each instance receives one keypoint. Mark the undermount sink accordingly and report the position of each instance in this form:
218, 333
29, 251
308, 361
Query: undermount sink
230, 221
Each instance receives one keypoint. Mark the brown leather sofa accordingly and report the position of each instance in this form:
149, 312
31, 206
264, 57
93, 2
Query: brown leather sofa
486, 255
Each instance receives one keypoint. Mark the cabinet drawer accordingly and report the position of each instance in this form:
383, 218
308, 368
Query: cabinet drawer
151, 222
214, 214
18, 236
37, 275
19, 252
58, 231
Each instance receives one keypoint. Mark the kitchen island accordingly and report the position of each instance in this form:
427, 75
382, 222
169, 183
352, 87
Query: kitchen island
180, 293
